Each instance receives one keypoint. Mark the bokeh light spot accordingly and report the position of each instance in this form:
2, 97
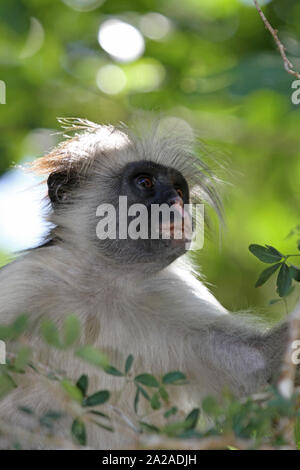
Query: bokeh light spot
145, 76
34, 39
155, 26
111, 79
121, 40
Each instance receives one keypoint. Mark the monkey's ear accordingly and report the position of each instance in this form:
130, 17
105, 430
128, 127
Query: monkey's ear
60, 186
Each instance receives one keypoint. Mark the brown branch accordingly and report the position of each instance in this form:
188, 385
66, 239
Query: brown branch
289, 67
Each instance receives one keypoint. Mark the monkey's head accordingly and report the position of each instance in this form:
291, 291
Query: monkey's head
123, 196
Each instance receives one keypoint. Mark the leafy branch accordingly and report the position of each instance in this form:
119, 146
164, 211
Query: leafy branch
287, 273
250, 423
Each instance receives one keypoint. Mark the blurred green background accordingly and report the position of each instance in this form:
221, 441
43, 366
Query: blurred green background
210, 62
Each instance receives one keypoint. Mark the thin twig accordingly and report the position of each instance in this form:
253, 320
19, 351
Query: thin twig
289, 67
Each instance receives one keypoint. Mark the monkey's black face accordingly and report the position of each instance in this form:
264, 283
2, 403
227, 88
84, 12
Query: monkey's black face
148, 183
151, 215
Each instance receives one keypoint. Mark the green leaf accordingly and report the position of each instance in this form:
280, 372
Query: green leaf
83, 383
79, 432
26, 410
171, 411
164, 394
136, 400
113, 371
143, 392
284, 280
93, 356
71, 390
172, 429
147, 379
71, 330
174, 378
192, 419
266, 254
155, 401
20, 325
104, 426
128, 363
149, 427
266, 274
7, 384
15, 329
295, 272
99, 413
210, 405
50, 333
48, 419
6, 332
22, 358
97, 398
274, 251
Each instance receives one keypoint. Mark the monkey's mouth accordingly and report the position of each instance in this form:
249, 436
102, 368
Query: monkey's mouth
178, 230
173, 232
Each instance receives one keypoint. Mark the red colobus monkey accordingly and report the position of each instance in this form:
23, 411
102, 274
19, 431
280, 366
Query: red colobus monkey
132, 296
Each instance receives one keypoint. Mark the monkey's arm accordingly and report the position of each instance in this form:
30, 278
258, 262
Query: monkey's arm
239, 356
15, 291
25, 287
227, 350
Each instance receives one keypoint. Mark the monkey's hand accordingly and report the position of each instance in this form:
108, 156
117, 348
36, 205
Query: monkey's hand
242, 357
284, 358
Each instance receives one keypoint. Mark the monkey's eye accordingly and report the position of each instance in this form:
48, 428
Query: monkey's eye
144, 181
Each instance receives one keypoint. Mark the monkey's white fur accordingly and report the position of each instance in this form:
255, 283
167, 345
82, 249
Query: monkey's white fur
167, 319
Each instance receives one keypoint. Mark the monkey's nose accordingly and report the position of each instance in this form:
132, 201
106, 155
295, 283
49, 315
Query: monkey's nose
176, 200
